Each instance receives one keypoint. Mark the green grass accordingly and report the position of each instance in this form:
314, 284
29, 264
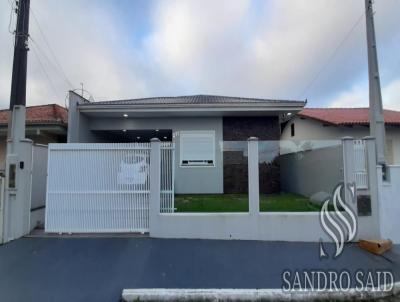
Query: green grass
284, 202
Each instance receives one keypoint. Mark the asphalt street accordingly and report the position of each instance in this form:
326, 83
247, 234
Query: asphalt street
97, 269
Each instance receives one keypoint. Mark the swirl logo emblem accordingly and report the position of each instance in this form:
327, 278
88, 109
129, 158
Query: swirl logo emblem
340, 224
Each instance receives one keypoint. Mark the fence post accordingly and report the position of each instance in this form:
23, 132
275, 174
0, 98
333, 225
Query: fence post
349, 171
254, 192
155, 181
373, 183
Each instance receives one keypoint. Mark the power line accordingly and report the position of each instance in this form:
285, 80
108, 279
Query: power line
45, 73
332, 56
51, 50
43, 53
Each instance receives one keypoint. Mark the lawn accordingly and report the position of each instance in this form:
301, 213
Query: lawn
284, 202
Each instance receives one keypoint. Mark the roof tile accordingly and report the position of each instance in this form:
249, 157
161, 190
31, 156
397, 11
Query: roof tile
43, 114
347, 116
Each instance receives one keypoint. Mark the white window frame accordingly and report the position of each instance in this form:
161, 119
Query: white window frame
195, 133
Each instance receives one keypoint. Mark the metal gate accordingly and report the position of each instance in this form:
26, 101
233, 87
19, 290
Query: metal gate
103, 187
360, 164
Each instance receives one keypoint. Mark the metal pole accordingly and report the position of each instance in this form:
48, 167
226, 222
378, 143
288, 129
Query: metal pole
377, 123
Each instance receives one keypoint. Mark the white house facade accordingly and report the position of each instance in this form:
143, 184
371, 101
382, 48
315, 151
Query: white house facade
336, 123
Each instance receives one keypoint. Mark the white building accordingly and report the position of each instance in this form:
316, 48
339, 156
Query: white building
335, 123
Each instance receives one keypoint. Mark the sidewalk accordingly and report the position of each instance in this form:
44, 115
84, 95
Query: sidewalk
98, 269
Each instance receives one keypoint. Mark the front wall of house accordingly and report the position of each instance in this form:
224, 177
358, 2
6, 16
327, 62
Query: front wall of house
308, 129
187, 179
235, 169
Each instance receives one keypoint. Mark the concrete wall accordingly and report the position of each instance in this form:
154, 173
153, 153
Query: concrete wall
39, 178
389, 204
37, 139
309, 129
244, 226
310, 172
187, 179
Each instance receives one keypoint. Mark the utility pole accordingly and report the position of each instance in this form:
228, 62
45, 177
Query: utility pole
18, 84
377, 122
15, 220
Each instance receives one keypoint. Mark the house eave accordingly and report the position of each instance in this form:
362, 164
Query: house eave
282, 107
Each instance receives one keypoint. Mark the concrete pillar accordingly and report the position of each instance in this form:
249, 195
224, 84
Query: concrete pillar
155, 181
17, 205
373, 185
18, 182
349, 171
254, 191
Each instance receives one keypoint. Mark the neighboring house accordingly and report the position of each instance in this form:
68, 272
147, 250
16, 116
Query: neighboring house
336, 123
44, 124
198, 125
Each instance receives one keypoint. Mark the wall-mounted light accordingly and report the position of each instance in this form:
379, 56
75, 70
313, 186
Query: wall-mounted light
157, 130
165, 137
125, 115
123, 130
138, 137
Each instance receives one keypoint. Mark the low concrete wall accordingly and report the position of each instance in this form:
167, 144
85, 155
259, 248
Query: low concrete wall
389, 204
310, 172
243, 226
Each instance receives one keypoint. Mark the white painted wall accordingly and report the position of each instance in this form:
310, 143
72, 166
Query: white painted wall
309, 129
389, 205
243, 226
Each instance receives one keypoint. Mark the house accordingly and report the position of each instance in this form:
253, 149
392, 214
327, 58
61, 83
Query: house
44, 124
336, 123
199, 125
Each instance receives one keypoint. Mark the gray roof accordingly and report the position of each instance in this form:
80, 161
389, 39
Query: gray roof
195, 100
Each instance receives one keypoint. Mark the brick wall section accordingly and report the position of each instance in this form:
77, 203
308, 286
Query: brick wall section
235, 164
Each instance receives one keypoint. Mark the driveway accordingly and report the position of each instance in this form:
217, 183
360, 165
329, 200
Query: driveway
97, 269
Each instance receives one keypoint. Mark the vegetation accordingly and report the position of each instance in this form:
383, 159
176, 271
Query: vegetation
284, 202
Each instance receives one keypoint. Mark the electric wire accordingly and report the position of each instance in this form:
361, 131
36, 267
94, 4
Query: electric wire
45, 73
57, 62
332, 56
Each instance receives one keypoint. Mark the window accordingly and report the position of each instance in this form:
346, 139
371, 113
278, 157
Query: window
197, 148
292, 130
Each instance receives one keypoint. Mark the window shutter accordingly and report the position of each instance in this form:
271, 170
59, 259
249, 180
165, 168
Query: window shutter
197, 148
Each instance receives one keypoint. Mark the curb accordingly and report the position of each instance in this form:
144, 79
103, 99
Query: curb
162, 294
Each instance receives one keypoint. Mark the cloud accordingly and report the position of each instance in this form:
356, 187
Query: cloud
200, 45
269, 49
358, 96
391, 95
86, 45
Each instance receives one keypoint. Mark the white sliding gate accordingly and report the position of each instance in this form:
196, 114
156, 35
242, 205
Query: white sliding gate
104, 187
360, 164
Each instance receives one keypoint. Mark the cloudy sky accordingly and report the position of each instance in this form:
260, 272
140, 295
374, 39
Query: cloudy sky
283, 49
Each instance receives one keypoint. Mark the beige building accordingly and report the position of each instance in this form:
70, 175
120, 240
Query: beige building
335, 123
44, 124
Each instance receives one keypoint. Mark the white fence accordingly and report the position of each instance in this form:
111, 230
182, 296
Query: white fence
103, 187
167, 177
360, 164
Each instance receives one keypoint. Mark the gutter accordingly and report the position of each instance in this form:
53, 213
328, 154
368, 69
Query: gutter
190, 107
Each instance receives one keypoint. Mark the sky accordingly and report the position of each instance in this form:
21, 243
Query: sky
276, 49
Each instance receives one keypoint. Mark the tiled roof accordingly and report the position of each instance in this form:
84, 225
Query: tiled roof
42, 114
192, 100
347, 116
